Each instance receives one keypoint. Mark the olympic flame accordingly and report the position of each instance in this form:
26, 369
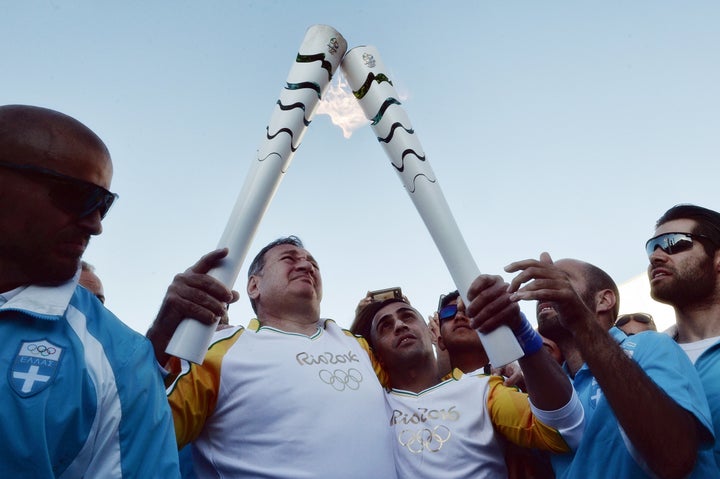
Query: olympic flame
339, 104
366, 75
317, 60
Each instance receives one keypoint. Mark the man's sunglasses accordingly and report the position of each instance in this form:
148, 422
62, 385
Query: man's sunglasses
447, 313
74, 196
639, 317
672, 243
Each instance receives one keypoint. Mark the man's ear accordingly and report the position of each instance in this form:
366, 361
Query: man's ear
605, 301
441, 343
252, 287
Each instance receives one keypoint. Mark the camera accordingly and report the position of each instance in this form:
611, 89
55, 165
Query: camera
388, 293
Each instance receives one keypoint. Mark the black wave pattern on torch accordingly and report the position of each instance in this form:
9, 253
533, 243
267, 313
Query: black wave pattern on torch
387, 139
379, 78
292, 106
293, 147
295, 86
401, 168
300, 86
274, 153
314, 58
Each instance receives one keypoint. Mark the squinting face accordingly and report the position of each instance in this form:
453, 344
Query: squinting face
290, 273
39, 241
399, 333
683, 277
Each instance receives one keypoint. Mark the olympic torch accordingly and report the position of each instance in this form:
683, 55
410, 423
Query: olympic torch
368, 79
317, 60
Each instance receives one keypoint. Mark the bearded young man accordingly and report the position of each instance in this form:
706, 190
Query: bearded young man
684, 272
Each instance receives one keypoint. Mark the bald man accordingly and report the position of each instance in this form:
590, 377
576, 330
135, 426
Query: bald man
645, 412
83, 396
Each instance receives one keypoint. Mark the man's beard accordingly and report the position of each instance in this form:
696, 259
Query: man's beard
551, 328
688, 285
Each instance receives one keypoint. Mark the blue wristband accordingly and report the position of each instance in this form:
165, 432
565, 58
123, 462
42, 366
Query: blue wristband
530, 341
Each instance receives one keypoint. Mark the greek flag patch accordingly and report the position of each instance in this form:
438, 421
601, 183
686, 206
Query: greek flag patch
35, 367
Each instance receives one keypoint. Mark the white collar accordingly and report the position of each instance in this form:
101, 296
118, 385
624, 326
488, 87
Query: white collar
42, 300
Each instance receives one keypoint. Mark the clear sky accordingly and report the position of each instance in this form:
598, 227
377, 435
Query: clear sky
560, 126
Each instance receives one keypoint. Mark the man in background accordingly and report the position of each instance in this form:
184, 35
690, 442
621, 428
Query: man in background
90, 281
684, 272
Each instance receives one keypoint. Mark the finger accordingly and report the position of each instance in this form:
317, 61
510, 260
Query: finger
194, 301
508, 315
488, 300
545, 258
482, 283
235, 297
519, 265
514, 379
209, 261
205, 284
527, 275
496, 303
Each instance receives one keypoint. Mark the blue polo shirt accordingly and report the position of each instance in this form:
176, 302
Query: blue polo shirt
605, 451
708, 367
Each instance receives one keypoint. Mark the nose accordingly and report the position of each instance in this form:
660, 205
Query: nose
399, 326
461, 316
658, 256
305, 264
92, 223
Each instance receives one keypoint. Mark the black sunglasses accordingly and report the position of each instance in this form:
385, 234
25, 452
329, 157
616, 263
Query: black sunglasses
72, 195
672, 243
639, 317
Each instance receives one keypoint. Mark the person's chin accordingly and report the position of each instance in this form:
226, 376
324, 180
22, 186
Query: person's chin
61, 270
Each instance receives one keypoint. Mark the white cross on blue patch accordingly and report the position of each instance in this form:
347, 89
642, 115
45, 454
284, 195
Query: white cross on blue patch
34, 367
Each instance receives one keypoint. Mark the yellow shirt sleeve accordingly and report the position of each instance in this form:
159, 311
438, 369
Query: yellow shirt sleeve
194, 391
511, 414
379, 371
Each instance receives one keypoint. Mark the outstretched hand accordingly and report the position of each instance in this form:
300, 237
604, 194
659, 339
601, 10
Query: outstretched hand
541, 280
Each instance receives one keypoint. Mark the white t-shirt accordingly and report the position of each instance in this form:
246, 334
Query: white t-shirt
695, 349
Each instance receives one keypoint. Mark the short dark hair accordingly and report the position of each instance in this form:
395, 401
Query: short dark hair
258, 263
596, 280
708, 222
362, 325
446, 298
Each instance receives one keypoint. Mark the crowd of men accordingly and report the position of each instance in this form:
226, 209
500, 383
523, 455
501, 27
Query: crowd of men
292, 395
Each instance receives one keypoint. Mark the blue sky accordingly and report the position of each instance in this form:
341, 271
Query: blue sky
566, 127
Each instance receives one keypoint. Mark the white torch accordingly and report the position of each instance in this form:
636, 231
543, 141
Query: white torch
317, 60
368, 79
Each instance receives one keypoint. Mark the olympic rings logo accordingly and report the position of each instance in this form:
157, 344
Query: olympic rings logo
340, 380
41, 349
424, 439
